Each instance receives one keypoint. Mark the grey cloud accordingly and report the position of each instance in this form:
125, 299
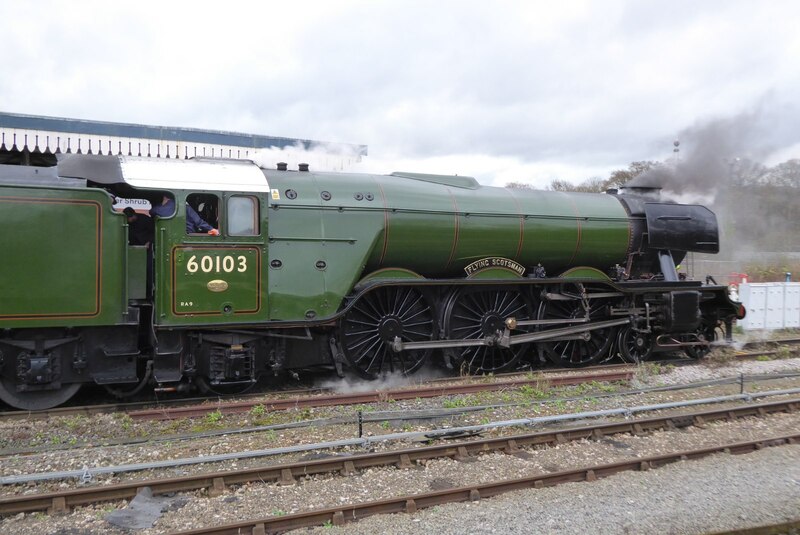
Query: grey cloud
585, 83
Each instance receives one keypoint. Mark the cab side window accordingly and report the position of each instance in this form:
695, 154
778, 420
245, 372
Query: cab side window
243, 216
202, 213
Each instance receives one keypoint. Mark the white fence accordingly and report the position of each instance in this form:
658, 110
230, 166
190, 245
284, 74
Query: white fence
770, 305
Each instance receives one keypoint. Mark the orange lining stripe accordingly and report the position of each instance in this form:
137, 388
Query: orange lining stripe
455, 232
521, 224
578, 222
385, 226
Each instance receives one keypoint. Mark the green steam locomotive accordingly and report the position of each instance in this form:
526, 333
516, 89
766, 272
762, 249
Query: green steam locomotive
369, 273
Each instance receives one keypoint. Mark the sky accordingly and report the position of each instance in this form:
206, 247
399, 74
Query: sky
527, 91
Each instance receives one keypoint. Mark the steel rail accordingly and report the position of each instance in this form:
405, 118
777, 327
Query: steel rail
86, 474
89, 410
394, 415
338, 516
216, 482
107, 408
374, 396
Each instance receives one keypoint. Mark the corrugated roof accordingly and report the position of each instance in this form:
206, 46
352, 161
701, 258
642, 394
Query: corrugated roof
55, 134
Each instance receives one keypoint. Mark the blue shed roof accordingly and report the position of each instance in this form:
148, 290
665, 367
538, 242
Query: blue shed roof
161, 133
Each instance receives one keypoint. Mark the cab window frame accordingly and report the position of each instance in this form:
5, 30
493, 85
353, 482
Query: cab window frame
233, 211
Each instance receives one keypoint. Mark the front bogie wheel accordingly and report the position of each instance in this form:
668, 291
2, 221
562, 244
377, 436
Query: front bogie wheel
708, 334
634, 346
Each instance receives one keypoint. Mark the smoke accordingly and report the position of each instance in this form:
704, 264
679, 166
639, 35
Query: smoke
722, 163
354, 385
709, 155
319, 156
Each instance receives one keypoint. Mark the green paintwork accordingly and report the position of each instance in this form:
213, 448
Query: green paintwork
432, 225
63, 257
391, 274
584, 273
216, 281
447, 180
341, 232
309, 254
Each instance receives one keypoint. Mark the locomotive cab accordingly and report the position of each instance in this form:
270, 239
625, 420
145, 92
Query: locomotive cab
210, 235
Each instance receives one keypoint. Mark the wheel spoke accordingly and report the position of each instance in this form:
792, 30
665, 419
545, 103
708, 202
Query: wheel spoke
374, 318
577, 352
371, 324
375, 309
473, 332
368, 351
359, 333
403, 307
475, 313
368, 329
422, 334
423, 311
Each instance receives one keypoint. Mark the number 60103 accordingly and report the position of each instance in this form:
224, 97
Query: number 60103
216, 264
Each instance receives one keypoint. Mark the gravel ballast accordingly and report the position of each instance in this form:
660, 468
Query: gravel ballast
722, 492
258, 500
773, 496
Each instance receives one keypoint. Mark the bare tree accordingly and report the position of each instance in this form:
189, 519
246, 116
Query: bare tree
519, 185
561, 185
621, 177
591, 185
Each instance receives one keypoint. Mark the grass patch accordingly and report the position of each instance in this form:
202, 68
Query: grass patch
537, 393
213, 417
720, 357
74, 422
258, 410
784, 352
646, 371
455, 403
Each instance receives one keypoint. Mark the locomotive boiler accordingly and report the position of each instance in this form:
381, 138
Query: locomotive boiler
369, 273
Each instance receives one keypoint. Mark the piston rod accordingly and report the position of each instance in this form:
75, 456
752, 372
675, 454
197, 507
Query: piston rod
506, 339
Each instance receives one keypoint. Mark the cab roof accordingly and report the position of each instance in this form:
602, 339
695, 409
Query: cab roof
147, 173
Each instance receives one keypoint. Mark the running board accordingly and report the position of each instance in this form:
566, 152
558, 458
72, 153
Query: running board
506, 339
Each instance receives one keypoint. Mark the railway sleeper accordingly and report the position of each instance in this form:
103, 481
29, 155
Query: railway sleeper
61, 501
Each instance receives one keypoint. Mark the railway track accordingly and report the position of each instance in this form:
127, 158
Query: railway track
377, 396
89, 410
187, 408
140, 409
216, 482
338, 516
376, 417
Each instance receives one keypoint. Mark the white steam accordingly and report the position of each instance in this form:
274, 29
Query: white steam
355, 385
319, 156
